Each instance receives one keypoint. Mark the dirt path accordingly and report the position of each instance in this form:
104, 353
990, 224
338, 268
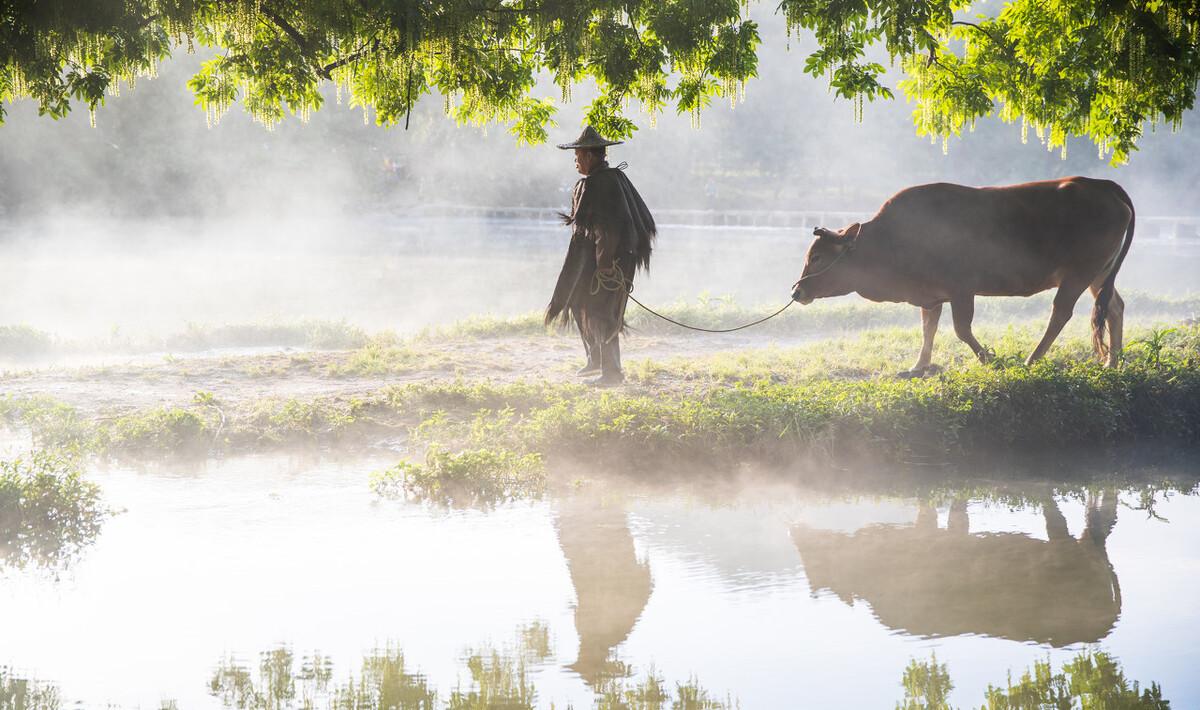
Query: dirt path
106, 382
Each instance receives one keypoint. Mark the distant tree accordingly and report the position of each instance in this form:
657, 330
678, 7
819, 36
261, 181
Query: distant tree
1071, 67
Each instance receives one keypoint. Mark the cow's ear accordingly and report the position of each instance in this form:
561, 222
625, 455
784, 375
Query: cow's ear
851, 233
823, 233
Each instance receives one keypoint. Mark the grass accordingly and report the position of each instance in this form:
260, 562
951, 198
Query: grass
204, 427
828, 400
823, 316
886, 352
783, 404
312, 334
23, 342
386, 355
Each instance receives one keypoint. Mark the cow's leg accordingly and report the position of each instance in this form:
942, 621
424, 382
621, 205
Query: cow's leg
1056, 523
963, 311
958, 522
929, 323
1116, 325
1101, 517
926, 518
1115, 322
1064, 306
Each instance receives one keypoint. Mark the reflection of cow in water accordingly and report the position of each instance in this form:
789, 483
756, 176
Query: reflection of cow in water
934, 582
611, 585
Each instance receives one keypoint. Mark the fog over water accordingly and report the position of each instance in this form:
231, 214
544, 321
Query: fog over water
152, 219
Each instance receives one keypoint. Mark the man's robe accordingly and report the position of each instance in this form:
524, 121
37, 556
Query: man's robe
611, 227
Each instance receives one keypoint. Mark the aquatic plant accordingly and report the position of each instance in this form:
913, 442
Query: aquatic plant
52, 424
472, 477
48, 511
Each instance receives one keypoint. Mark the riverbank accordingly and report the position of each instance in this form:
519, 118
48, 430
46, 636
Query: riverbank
827, 400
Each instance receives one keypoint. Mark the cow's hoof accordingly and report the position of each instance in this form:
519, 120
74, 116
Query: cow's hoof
918, 372
986, 355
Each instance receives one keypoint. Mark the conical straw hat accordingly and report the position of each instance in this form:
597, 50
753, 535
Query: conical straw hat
589, 139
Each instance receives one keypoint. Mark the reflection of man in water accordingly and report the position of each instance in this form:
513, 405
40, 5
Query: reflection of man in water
612, 236
611, 585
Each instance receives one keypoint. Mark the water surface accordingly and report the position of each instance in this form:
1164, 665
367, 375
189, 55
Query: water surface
216, 583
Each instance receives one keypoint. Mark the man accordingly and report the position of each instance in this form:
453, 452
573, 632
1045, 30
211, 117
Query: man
612, 236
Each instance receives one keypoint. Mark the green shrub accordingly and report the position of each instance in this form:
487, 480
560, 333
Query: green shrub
18, 342
48, 512
474, 477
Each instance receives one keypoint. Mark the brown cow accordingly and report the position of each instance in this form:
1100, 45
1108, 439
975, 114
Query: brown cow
940, 243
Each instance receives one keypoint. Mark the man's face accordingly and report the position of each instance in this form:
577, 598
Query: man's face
585, 160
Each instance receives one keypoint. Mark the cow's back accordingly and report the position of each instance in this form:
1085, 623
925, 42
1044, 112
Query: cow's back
1013, 240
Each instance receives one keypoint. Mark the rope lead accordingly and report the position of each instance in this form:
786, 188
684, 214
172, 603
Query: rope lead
614, 280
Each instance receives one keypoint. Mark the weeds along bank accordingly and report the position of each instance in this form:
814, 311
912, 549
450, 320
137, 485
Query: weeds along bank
476, 443
737, 406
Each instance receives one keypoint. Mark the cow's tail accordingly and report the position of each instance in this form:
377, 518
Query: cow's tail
1100, 310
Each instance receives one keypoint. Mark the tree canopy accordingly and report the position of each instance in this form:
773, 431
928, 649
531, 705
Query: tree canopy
1097, 68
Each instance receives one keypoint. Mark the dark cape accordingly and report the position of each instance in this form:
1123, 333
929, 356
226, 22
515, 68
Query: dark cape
611, 226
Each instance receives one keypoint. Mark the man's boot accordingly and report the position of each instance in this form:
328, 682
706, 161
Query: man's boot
593, 358
610, 363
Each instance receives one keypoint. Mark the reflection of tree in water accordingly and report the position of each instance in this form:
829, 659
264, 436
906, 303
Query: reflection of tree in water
611, 584
48, 513
497, 678
1093, 679
651, 693
383, 682
934, 582
24, 694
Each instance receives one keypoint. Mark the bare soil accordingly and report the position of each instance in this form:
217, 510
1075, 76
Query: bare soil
108, 383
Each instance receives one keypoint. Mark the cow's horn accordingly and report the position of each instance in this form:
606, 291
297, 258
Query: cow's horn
822, 232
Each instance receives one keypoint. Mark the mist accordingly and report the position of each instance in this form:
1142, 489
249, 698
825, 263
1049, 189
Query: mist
152, 219
281, 424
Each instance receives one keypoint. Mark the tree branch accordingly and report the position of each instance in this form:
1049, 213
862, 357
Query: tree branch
326, 71
995, 40
304, 45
